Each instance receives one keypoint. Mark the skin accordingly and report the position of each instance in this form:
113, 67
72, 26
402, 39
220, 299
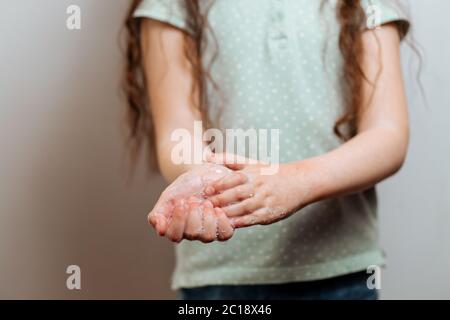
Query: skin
169, 84
246, 196
183, 212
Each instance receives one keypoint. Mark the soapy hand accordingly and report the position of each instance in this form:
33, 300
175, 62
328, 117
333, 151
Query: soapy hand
182, 212
249, 197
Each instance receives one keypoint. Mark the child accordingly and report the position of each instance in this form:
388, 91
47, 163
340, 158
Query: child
325, 74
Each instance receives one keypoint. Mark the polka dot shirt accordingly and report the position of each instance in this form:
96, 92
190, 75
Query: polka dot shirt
278, 66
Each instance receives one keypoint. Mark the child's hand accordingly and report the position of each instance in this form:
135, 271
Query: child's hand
250, 198
186, 195
197, 219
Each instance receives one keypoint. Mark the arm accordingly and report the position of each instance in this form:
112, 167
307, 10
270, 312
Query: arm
375, 153
379, 149
169, 80
180, 212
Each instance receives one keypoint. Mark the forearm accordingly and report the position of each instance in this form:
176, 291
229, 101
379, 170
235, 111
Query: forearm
171, 90
171, 168
367, 159
172, 171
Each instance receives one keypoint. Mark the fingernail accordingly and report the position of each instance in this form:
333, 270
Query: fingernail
209, 204
209, 191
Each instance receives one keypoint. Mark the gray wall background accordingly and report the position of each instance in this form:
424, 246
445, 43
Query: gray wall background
65, 197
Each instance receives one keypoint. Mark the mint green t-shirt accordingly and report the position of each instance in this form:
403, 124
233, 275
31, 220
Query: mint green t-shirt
279, 66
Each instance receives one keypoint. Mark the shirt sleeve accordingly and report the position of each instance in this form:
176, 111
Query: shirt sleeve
381, 12
173, 12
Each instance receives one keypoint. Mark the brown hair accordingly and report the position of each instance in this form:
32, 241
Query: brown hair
350, 15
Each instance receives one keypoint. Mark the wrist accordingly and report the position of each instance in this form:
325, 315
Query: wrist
310, 180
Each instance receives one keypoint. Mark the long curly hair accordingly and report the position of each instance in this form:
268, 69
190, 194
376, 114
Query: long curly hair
351, 18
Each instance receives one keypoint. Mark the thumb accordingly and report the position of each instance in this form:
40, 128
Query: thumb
229, 160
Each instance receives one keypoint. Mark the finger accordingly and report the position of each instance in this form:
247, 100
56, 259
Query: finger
159, 216
161, 225
261, 216
228, 182
230, 196
208, 155
231, 161
152, 219
244, 207
209, 225
224, 228
175, 230
159, 222
208, 204
194, 226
